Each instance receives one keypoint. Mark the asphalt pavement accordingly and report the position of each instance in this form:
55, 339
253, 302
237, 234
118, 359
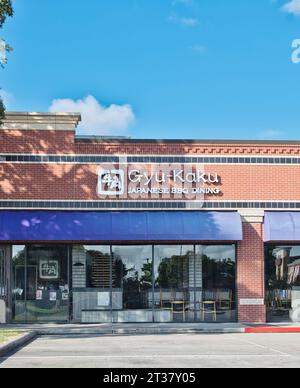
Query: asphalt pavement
159, 351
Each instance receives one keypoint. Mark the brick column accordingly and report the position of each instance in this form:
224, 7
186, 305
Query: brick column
250, 274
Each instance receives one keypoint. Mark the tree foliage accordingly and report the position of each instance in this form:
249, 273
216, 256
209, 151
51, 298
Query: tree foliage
2, 110
6, 10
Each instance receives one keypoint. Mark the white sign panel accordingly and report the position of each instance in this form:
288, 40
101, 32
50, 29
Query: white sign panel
103, 299
252, 302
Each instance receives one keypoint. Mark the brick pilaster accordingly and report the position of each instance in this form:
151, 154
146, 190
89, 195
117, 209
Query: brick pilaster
250, 273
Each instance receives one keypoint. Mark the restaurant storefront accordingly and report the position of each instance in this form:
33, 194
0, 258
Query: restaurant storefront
101, 230
146, 283
282, 267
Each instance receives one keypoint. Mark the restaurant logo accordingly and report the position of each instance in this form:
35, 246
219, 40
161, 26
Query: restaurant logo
111, 182
49, 269
157, 182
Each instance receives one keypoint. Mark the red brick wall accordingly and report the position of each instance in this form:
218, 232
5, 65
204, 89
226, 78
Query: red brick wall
61, 141
37, 142
37, 181
160, 148
47, 181
79, 182
250, 273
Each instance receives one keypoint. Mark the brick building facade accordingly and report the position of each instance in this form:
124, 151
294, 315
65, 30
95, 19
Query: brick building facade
45, 167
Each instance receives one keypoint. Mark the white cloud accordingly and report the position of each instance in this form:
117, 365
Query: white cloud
198, 48
271, 134
182, 2
2, 52
185, 21
293, 7
97, 119
7, 98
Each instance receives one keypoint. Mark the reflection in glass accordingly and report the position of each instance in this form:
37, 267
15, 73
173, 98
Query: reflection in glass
40, 284
282, 281
217, 300
91, 282
174, 283
18, 293
146, 283
132, 283
91, 266
47, 284
2, 274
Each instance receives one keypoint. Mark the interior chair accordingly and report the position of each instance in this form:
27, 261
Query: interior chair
224, 299
166, 298
179, 304
209, 307
179, 307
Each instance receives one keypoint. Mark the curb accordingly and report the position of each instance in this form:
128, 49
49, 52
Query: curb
140, 331
272, 330
16, 343
28, 336
176, 331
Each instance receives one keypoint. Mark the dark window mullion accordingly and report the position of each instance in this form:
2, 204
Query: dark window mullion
195, 292
25, 274
153, 285
111, 285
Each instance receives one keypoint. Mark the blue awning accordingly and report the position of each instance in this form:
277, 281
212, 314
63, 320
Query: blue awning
38, 226
282, 226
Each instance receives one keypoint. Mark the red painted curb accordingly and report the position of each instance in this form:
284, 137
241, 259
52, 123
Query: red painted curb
272, 330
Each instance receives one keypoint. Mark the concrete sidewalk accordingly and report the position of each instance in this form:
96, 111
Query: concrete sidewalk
158, 351
153, 328
127, 328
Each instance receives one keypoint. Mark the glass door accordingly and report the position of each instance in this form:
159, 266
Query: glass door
174, 283
18, 274
41, 290
47, 284
282, 282
132, 283
2, 274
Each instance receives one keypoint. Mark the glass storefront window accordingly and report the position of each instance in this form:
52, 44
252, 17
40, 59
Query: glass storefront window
2, 273
132, 283
104, 284
282, 281
18, 274
218, 297
174, 273
41, 283
47, 284
91, 278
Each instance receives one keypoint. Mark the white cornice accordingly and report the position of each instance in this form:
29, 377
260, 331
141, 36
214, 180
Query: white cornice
252, 215
40, 121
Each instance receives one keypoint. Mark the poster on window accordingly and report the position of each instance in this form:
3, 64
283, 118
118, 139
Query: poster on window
49, 269
39, 295
103, 299
65, 296
53, 296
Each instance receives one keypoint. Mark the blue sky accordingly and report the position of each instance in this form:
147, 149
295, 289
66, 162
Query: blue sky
160, 68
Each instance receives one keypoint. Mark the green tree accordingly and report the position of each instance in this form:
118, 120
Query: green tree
146, 278
6, 10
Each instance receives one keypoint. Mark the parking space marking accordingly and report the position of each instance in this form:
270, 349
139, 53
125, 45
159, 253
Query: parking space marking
185, 356
265, 347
